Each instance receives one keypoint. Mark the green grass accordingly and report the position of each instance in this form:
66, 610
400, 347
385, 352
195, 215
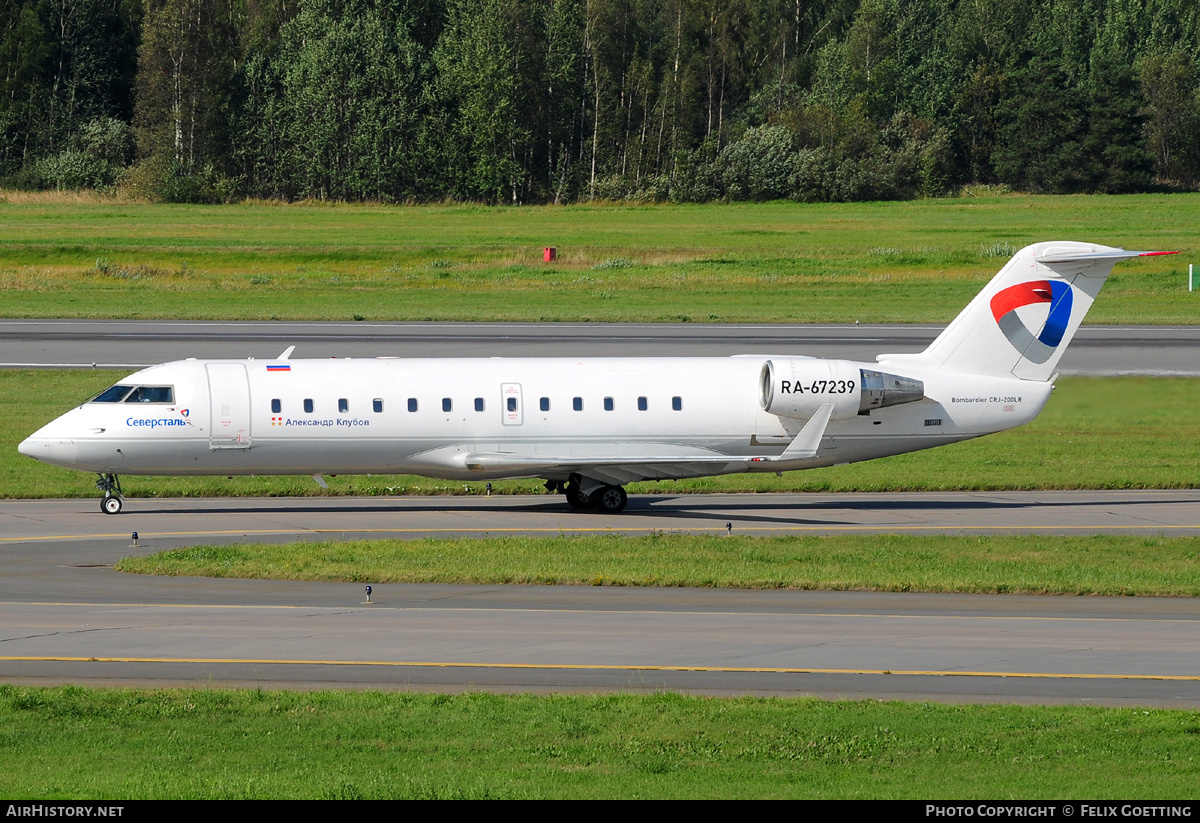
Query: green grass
93, 744
1094, 565
918, 261
1096, 433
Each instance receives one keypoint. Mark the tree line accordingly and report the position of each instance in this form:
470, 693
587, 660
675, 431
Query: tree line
534, 101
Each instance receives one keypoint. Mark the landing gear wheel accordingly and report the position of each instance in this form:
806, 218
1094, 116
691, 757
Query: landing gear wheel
110, 484
575, 499
611, 499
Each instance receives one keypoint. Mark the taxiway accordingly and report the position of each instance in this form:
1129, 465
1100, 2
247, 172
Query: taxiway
65, 616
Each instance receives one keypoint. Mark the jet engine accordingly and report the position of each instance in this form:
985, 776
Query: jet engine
797, 387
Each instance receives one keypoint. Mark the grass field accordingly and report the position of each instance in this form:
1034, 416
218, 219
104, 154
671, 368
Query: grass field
1096, 433
917, 261
1038, 564
83, 743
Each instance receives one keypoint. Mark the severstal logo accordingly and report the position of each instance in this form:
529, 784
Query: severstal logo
1040, 345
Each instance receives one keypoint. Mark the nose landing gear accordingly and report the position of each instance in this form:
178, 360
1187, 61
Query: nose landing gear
113, 501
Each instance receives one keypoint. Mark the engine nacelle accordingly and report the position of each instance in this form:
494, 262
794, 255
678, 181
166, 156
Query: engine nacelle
798, 387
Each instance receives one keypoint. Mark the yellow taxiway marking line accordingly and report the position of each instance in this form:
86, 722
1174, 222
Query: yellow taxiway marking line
593, 667
631, 529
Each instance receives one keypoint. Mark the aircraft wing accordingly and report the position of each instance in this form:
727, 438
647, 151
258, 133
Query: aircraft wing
626, 463
617, 470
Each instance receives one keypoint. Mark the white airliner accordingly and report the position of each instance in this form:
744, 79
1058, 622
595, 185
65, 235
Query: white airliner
589, 426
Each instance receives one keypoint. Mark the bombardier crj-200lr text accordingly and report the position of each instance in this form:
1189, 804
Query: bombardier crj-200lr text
589, 426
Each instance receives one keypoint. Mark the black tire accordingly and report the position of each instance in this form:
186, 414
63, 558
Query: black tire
575, 499
611, 499
111, 505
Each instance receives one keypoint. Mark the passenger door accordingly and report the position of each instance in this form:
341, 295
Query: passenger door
229, 396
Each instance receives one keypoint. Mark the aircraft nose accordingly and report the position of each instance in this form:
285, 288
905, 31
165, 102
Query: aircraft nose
50, 450
28, 446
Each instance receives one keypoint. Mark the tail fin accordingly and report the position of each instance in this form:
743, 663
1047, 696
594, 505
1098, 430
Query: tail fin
1022, 321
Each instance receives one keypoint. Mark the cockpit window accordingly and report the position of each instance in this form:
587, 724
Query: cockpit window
151, 394
114, 394
139, 394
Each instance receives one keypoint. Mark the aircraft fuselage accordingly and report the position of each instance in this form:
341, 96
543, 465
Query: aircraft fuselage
424, 416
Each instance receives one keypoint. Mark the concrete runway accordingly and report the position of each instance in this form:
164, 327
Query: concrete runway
65, 616
120, 344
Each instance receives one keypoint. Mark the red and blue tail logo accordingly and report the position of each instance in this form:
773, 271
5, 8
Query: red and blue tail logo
1004, 306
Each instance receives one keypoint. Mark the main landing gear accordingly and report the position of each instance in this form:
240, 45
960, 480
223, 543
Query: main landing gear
610, 499
575, 499
604, 499
113, 501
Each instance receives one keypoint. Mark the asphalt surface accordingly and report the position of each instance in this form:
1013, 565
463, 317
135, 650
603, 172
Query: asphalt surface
65, 616
120, 344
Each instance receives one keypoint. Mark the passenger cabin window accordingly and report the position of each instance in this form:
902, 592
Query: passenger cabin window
447, 404
512, 404
377, 404
308, 405
544, 404
151, 394
479, 404
677, 403
608, 404
577, 404
642, 406
276, 406
112, 395
412, 404
343, 405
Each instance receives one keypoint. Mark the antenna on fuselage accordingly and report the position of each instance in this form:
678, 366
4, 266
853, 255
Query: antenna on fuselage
286, 353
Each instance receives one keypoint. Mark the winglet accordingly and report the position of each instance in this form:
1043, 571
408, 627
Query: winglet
807, 442
286, 353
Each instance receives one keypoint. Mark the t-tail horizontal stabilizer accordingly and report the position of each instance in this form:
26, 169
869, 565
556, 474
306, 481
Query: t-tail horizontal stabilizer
1024, 319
